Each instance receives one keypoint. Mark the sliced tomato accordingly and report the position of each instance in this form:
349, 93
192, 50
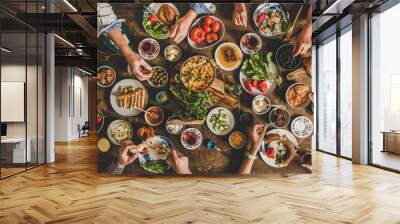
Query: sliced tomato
261, 18
153, 19
262, 86
247, 85
270, 153
254, 83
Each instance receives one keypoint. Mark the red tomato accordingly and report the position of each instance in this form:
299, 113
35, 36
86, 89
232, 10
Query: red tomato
270, 153
261, 18
203, 36
211, 37
198, 41
262, 86
215, 26
196, 35
254, 83
247, 85
153, 19
99, 120
208, 20
206, 28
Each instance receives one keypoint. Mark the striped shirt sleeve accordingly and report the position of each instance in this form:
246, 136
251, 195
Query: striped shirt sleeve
114, 169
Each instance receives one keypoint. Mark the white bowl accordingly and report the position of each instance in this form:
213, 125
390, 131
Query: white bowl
257, 98
204, 45
249, 51
199, 139
303, 105
233, 45
155, 7
302, 127
146, 56
231, 121
176, 47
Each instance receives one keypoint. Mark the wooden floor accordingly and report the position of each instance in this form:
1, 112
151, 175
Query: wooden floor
386, 159
70, 191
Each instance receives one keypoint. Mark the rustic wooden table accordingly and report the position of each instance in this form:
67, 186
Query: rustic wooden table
201, 161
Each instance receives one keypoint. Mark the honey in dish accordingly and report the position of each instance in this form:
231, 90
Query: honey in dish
228, 56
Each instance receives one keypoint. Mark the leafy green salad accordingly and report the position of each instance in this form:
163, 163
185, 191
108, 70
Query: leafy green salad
156, 29
261, 67
157, 166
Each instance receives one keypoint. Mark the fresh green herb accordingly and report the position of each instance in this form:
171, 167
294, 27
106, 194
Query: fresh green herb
280, 154
260, 67
158, 166
234, 89
286, 24
194, 103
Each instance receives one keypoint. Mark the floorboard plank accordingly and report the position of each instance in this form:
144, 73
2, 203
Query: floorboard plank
70, 191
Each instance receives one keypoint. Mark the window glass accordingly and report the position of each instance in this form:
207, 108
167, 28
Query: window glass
346, 94
385, 89
327, 96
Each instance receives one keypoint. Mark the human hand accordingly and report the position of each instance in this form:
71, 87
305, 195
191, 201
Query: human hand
179, 163
303, 43
257, 134
304, 39
138, 66
180, 29
124, 158
239, 16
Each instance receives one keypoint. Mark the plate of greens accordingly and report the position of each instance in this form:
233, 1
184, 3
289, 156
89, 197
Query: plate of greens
259, 75
158, 19
154, 153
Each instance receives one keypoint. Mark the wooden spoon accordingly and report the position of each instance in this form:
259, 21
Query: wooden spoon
180, 122
153, 115
278, 106
290, 31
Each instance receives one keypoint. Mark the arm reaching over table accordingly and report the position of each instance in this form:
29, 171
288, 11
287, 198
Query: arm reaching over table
239, 16
179, 163
124, 158
304, 38
257, 134
180, 30
108, 23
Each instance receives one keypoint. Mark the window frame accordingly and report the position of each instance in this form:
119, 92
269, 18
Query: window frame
381, 9
337, 34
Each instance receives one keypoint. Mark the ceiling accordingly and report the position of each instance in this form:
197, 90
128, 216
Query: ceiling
72, 20
331, 15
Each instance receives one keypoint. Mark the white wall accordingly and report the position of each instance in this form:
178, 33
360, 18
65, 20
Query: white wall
16, 73
34, 125
70, 84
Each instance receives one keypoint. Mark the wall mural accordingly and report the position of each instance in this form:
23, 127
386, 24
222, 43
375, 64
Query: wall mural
204, 88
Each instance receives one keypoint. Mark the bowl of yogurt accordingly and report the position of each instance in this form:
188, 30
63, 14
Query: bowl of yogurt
260, 104
174, 129
172, 53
